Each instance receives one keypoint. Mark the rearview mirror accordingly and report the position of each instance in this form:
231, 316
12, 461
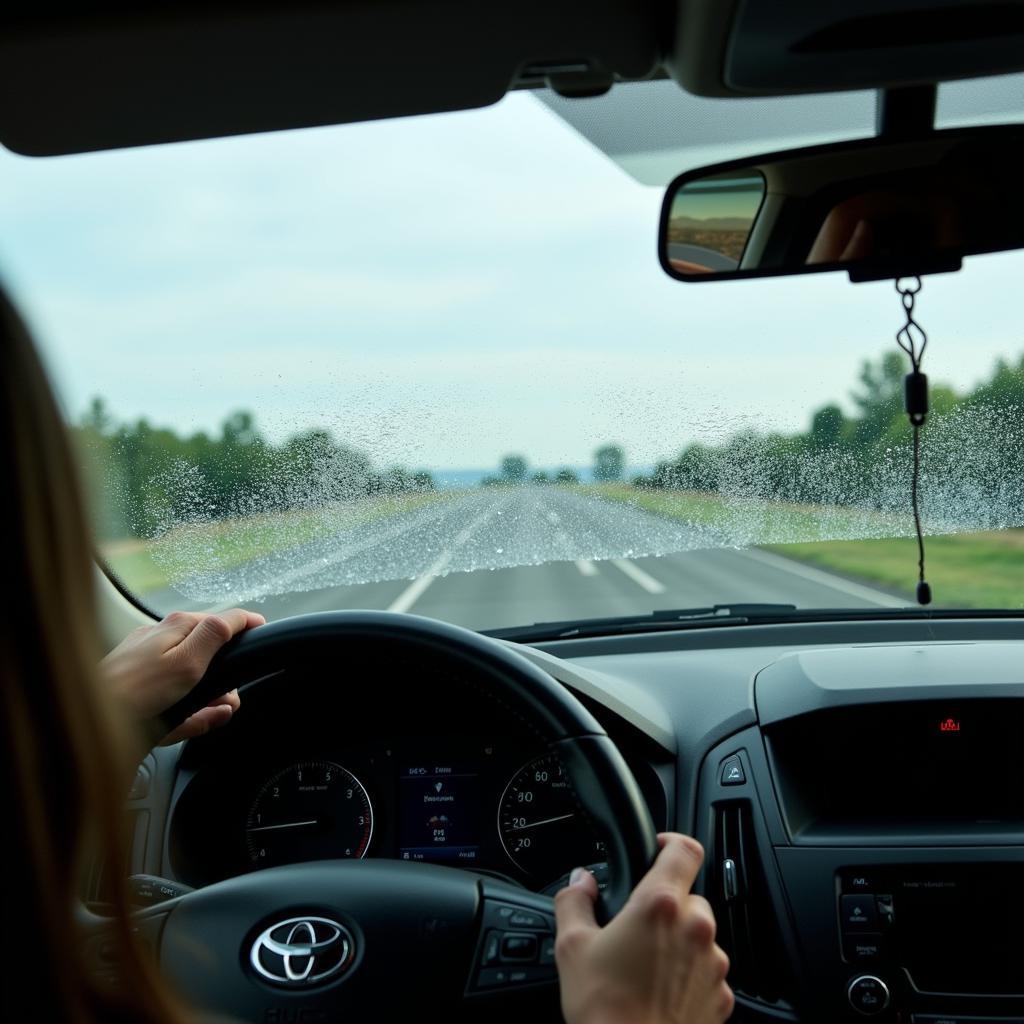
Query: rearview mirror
876, 208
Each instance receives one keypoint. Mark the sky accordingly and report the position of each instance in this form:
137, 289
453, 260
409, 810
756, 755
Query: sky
707, 199
438, 291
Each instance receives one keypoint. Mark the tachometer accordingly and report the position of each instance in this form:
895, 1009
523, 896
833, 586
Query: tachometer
540, 824
314, 810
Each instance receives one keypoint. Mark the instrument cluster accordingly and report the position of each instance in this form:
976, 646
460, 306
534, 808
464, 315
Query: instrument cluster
492, 806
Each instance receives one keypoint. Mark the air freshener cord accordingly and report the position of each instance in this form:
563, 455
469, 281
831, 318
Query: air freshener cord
913, 340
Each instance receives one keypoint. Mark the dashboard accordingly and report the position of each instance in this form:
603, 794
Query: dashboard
858, 788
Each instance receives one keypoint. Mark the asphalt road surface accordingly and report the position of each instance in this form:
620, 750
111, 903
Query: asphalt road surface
508, 557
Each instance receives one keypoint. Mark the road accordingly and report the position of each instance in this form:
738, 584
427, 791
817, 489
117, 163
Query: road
507, 557
684, 252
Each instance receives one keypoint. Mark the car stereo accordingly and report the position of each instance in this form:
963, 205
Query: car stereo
936, 929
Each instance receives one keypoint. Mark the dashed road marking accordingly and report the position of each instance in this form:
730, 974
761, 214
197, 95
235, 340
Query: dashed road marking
412, 593
638, 576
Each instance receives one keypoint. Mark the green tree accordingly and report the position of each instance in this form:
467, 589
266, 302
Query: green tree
240, 429
514, 469
317, 469
1005, 390
144, 479
609, 463
696, 469
827, 426
566, 476
880, 397
97, 417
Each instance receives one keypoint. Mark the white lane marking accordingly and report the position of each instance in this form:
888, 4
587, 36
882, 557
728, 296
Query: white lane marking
586, 567
638, 576
287, 581
826, 579
412, 593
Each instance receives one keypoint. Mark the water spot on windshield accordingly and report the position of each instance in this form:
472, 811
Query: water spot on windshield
313, 515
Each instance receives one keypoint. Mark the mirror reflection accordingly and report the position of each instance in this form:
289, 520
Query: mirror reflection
710, 221
876, 207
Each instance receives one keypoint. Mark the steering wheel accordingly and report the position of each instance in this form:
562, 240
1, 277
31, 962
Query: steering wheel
315, 941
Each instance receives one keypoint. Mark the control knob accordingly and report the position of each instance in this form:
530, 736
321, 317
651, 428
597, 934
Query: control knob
868, 995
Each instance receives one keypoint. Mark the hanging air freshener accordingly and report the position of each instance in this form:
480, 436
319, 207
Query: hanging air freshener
913, 340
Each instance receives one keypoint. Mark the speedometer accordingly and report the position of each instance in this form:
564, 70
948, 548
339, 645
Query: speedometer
314, 810
540, 823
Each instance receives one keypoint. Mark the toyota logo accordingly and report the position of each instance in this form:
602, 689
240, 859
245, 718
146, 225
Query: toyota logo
302, 951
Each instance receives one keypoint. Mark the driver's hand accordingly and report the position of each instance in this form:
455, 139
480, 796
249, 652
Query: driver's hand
656, 962
155, 666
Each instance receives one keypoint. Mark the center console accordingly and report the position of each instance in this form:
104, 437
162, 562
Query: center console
865, 842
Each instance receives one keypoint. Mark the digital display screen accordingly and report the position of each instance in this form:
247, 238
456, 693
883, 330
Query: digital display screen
439, 812
920, 767
957, 929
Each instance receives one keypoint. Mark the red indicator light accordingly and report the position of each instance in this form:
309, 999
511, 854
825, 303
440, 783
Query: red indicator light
949, 725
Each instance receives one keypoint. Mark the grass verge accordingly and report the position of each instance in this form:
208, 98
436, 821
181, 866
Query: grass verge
965, 570
145, 566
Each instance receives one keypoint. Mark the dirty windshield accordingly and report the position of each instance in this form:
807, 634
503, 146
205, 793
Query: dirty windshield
432, 365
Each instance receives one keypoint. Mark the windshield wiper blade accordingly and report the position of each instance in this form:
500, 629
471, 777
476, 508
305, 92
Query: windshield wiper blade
735, 614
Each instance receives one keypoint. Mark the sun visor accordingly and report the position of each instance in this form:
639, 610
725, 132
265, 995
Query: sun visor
164, 74
778, 47
654, 130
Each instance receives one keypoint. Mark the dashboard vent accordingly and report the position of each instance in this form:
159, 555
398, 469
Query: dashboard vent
748, 929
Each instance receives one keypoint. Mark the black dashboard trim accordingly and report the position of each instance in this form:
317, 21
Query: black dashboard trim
793, 634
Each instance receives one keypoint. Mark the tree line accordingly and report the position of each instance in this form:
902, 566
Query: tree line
146, 478
609, 466
143, 478
972, 451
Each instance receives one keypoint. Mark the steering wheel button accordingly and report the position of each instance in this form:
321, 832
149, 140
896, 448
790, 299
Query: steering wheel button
499, 915
492, 948
527, 919
547, 951
519, 947
491, 977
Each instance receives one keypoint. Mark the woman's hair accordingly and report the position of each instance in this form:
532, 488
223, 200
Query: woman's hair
66, 756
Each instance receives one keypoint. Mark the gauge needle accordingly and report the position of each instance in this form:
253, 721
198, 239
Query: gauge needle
287, 824
546, 821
